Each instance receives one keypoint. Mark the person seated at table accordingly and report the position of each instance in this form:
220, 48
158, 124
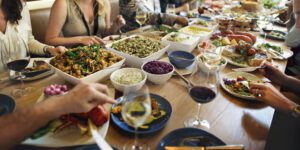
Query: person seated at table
181, 5
22, 123
293, 36
82, 22
271, 96
14, 24
128, 9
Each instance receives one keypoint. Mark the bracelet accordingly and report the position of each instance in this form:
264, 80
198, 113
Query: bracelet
296, 111
46, 52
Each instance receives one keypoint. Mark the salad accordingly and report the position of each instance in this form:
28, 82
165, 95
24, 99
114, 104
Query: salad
239, 85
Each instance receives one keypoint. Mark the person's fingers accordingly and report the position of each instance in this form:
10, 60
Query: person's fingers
101, 88
102, 98
99, 40
95, 41
257, 86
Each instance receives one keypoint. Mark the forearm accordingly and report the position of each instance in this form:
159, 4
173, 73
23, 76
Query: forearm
185, 7
21, 124
292, 84
64, 41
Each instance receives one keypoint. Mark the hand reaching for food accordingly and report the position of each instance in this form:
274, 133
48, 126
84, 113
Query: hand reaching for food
271, 96
90, 40
274, 74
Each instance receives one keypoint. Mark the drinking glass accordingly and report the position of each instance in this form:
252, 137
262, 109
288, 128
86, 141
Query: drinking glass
203, 89
171, 9
141, 17
135, 111
18, 59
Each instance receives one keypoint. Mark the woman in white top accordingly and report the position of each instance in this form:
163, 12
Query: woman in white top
293, 37
15, 24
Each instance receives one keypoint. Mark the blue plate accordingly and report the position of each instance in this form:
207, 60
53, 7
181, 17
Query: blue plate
7, 104
155, 125
189, 137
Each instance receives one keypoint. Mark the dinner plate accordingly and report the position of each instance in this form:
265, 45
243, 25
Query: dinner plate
70, 136
185, 71
155, 125
234, 63
191, 137
7, 104
37, 74
273, 37
234, 75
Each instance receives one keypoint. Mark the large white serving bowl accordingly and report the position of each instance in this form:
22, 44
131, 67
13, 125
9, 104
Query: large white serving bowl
188, 44
128, 87
134, 61
203, 33
159, 78
92, 78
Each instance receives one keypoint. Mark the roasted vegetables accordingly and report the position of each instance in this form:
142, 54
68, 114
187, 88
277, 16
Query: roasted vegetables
84, 60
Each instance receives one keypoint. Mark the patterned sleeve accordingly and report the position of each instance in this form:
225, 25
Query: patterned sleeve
35, 46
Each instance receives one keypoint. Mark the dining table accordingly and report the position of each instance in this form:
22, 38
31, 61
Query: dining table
233, 120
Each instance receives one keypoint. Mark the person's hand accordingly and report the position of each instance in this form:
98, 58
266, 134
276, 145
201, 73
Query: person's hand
84, 97
57, 50
90, 40
120, 21
271, 96
272, 73
182, 20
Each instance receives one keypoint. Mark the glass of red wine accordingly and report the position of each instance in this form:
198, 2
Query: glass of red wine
18, 59
203, 89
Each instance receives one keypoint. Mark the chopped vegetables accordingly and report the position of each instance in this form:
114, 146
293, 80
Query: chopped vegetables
273, 47
55, 89
158, 67
238, 85
84, 60
138, 46
129, 77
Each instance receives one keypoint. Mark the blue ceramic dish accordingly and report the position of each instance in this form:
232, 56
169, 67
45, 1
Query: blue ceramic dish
155, 125
181, 59
189, 137
7, 104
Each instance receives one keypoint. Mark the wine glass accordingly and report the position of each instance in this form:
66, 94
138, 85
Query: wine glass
171, 9
203, 89
135, 111
141, 17
18, 59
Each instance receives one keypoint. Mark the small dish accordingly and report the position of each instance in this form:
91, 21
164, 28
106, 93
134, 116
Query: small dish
7, 104
222, 62
186, 71
159, 78
181, 59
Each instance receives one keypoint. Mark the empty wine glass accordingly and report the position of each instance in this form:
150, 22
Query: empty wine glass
135, 111
204, 89
18, 59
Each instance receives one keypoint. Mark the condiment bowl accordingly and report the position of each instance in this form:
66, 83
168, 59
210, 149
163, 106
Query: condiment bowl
181, 59
205, 68
158, 78
121, 79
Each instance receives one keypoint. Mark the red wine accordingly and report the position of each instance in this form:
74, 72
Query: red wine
202, 94
17, 65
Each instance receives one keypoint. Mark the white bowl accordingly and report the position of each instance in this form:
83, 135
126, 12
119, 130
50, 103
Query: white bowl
205, 68
135, 61
186, 45
203, 33
159, 78
92, 78
127, 87
211, 24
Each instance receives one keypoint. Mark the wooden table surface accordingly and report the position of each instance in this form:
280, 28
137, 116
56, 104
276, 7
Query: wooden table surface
234, 120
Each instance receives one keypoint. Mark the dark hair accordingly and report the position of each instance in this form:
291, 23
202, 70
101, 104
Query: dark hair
12, 10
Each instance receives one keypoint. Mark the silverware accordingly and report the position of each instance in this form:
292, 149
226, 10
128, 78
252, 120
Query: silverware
222, 147
247, 69
102, 144
184, 79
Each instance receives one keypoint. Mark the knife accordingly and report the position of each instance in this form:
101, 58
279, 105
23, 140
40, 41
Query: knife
222, 147
102, 144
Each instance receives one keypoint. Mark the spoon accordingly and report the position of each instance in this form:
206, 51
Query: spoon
190, 85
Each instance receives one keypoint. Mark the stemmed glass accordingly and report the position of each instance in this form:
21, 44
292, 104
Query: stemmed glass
135, 111
203, 89
141, 17
171, 9
18, 59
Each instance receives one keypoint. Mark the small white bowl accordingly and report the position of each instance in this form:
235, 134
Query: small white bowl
205, 69
159, 78
127, 87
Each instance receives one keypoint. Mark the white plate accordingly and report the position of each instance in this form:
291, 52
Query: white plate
211, 24
188, 45
135, 61
92, 78
185, 71
68, 137
287, 53
202, 34
235, 63
234, 75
